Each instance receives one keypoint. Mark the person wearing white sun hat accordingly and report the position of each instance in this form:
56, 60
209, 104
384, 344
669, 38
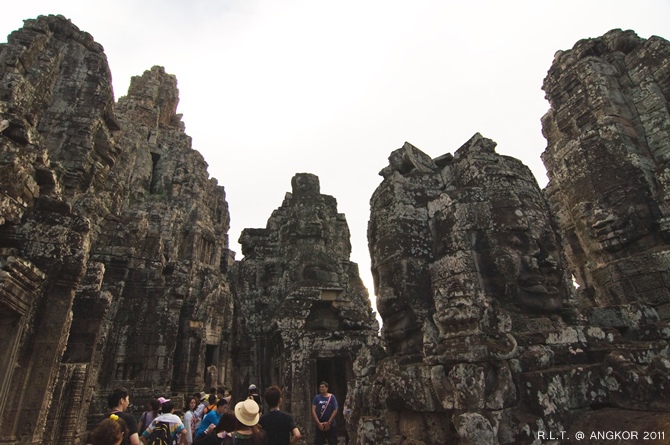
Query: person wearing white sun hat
247, 431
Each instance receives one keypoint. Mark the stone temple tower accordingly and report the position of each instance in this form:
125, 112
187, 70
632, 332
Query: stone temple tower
304, 313
608, 146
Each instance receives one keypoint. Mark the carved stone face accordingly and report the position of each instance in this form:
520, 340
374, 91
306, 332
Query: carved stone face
401, 329
607, 229
522, 267
498, 244
402, 333
458, 311
305, 183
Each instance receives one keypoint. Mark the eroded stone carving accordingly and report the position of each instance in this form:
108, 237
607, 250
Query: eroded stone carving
490, 261
166, 250
400, 248
46, 174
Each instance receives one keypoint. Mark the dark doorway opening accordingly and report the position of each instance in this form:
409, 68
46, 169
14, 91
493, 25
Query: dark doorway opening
211, 358
155, 177
336, 371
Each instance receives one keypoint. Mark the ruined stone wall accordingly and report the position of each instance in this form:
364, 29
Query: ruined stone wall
306, 314
113, 239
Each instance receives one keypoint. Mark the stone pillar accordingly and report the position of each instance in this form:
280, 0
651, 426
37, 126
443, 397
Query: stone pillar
57, 241
25, 418
20, 283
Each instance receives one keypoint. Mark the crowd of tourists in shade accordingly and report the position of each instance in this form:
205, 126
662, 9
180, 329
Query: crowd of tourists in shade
209, 419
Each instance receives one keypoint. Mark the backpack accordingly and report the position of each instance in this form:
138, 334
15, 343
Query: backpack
160, 435
209, 408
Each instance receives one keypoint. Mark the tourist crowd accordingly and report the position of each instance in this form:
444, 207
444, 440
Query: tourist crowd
207, 420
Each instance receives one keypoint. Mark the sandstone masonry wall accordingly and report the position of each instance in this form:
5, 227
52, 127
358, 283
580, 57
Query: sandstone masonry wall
608, 133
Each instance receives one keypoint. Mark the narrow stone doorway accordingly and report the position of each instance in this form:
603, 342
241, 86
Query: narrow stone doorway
211, 366
336, 371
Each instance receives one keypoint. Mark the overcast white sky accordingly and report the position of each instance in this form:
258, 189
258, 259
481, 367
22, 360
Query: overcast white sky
270, 88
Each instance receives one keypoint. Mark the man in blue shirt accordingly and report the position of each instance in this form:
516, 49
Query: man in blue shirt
212, 418
324, 410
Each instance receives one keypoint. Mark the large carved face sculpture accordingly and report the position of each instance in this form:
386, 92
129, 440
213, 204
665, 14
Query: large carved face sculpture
522, 267
519, 252
497, 245
613, 223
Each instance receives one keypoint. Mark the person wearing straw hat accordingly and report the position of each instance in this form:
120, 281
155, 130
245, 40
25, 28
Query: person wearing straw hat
247, 431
